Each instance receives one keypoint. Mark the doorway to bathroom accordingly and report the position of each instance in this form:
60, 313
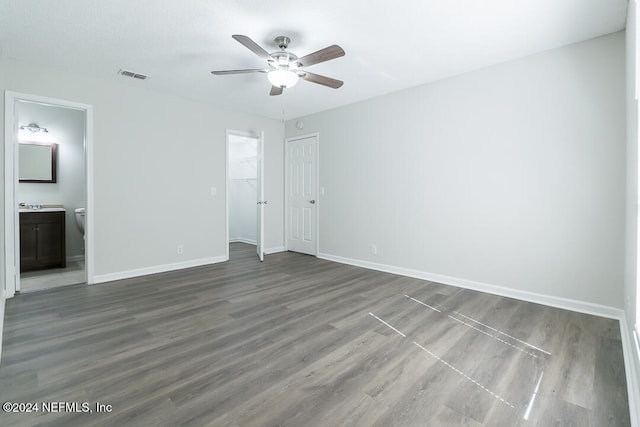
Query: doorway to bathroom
46, 216
245, 189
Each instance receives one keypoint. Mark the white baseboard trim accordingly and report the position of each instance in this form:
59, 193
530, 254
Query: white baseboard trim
101, 278
631, 352
550, 300
243, 240
274, 250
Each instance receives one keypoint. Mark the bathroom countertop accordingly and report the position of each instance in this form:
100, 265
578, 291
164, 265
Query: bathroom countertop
23, 210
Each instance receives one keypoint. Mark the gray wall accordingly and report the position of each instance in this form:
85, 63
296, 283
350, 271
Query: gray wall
511, 176
66, 128
156, 157
632, 171
631, 259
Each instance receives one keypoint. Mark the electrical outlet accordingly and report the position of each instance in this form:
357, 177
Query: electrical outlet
214, 191
374, 250
180, 249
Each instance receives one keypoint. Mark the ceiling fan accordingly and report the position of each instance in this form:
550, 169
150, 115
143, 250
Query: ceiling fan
285, 68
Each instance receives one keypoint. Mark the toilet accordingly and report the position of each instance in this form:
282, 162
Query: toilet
80, 219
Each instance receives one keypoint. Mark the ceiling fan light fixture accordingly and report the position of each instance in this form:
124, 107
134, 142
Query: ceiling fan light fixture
282, 78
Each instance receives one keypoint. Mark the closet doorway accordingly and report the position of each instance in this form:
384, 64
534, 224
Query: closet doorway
245, 190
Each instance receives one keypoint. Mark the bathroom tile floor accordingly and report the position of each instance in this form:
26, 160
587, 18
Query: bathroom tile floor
39, 280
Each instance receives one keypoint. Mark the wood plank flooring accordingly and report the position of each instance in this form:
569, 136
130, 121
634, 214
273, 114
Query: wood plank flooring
299, 341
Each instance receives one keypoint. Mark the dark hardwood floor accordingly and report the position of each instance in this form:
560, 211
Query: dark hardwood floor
304, 342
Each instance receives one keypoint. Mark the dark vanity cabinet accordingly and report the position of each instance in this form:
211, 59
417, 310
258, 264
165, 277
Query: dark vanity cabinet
42, 240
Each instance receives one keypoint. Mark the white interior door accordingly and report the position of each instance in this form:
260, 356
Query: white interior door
261, 202
301, 194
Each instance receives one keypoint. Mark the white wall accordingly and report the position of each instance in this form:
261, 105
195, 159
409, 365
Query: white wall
66, 128
156, 157
510, 176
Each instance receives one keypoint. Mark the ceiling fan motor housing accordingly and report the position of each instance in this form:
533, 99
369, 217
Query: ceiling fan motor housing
284, 59
282, 42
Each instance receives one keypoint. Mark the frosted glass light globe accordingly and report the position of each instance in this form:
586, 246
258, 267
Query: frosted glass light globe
282, 78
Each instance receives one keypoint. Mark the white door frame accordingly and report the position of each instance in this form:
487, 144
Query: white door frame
260, 138
12, 217
316, 226
260, 196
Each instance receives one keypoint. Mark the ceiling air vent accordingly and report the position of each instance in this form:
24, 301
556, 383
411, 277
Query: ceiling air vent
132, 74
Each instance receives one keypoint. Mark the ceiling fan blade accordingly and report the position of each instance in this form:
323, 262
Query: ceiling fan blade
252, 46
252, 70
275, 90
326, 54
322, 80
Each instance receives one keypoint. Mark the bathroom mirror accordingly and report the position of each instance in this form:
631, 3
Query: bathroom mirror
37, 162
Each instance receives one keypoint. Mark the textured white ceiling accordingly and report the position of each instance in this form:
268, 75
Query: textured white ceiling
390, 45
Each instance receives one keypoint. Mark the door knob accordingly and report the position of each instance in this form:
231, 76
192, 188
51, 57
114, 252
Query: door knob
313, 202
